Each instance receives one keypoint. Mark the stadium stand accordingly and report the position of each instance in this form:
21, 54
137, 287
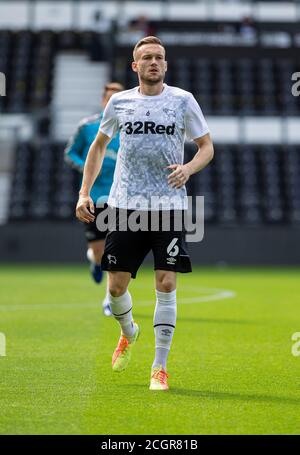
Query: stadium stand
45, 188
27, 60
244, 185
234, 87
242, 84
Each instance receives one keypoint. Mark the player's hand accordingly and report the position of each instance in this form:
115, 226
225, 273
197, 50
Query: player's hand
85, 209
179, 176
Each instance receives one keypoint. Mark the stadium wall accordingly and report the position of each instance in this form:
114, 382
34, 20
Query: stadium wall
78, 14
64, 243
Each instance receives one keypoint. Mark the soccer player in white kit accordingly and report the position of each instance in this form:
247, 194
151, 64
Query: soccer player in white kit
153, 120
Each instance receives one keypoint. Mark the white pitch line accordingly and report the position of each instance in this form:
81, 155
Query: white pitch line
216, 294
220, 295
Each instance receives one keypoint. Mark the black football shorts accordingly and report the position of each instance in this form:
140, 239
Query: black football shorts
126, 249
92, 233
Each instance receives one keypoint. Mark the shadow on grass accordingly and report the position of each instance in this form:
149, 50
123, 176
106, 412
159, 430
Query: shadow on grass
225, 395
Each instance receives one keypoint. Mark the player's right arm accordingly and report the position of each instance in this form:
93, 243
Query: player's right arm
92, 168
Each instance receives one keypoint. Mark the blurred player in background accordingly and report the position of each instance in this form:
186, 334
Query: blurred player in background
153, 120
75, 154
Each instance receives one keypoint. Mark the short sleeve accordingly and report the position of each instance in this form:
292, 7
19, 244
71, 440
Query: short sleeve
195, 123
109, 122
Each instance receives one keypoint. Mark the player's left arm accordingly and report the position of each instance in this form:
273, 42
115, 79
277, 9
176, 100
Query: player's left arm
74, 149
182, 172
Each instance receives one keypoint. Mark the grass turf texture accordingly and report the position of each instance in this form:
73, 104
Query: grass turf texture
231, 368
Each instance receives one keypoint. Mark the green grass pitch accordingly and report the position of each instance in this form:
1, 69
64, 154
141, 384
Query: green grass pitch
231, 365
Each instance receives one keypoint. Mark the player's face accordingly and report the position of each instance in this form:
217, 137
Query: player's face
150, 63
108, 92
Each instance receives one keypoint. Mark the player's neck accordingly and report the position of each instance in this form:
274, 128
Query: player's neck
151, 90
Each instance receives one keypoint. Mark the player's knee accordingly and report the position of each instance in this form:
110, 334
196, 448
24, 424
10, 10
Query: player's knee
117, 289
166, 284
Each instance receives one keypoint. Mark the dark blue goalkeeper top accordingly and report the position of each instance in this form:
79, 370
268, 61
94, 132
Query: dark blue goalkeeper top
77, 150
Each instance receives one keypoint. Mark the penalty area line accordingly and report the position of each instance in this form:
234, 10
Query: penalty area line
212, 294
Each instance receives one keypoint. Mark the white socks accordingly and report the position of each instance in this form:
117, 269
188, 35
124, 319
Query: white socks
121, 308
164, 321
164, 325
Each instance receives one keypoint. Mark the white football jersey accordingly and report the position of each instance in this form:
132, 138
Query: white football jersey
152, 133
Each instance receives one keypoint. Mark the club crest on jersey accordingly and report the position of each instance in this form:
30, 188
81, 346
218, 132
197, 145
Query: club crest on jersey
148, 128
169, 112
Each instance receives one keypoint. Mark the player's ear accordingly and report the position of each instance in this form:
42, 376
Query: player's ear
134, 66
166, 66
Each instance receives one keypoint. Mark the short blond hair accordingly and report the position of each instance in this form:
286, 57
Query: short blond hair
146, 40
